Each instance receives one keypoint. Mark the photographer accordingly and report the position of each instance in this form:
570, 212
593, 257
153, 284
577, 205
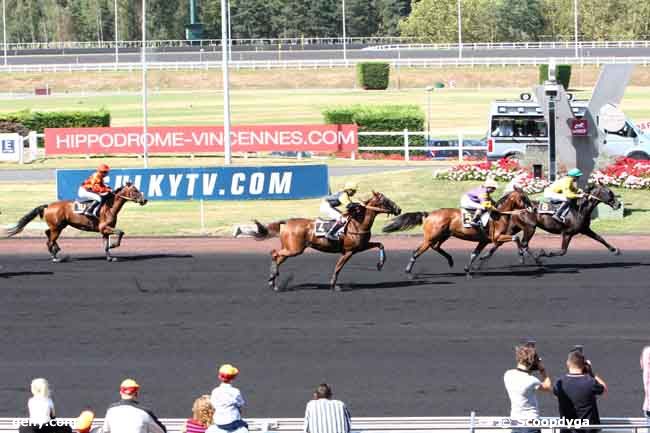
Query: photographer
576, 392
522, 385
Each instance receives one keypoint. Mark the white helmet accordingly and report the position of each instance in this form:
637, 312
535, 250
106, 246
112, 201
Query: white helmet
490, 183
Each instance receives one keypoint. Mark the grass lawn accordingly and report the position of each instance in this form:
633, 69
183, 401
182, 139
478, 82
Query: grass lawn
414, 190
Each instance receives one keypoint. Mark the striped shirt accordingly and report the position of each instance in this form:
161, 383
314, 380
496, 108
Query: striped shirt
194, 426
645, 365
327, 416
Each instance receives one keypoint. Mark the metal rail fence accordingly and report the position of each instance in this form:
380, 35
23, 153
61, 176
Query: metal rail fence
471, 424
273, 42
320, 64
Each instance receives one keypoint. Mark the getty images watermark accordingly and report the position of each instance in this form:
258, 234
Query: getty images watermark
25, 422
543, 423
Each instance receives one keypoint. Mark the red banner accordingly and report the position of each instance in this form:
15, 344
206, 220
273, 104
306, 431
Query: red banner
201, 139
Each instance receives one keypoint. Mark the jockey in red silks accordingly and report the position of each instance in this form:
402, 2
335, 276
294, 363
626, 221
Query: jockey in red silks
95, 189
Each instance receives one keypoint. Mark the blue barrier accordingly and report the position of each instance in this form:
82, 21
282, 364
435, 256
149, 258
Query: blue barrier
214, 183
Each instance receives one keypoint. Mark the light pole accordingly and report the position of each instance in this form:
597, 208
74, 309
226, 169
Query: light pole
117, 55
226, 84
345, 44
428, 89
575, 26
145, 151
4, 30
460, 32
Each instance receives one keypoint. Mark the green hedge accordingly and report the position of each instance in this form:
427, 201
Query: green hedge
38, 121
380, 118
373, 75
563, 73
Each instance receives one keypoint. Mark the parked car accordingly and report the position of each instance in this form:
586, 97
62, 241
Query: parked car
452, 153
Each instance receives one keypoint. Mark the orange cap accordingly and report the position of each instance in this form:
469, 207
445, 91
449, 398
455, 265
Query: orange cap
103, 168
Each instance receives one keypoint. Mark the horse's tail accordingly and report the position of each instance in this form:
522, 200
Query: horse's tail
405, 221
20, 225
261, 231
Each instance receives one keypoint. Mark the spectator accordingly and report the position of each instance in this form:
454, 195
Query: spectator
576, 392
227, 402
128, 416
324, 415
40, 405
645, 366
202, 413
522, 385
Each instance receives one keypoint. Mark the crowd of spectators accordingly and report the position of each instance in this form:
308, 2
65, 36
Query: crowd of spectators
576, 391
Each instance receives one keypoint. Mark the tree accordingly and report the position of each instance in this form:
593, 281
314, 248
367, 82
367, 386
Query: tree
432, 20
519, 20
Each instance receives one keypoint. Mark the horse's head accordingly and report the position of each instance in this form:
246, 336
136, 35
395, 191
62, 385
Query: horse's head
130, 192
604, 194
386, 205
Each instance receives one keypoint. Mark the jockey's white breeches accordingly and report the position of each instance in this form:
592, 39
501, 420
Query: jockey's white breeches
85, 194
554, 196
467, 203
214, 429
329, 211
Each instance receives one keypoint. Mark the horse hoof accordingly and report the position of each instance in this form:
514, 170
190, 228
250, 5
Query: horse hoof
337, 288
380, 266
616, 252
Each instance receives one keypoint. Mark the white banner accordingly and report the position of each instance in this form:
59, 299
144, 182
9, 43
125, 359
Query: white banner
11, 147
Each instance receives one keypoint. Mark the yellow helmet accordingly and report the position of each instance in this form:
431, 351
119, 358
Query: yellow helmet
228, 372
350, 186
85, 421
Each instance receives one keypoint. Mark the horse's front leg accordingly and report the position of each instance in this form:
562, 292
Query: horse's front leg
475, 254
382, 253
566, 240
595, 236
339, 265
118, 241
106, 234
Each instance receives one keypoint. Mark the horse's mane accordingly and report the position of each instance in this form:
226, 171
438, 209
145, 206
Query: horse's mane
527, 201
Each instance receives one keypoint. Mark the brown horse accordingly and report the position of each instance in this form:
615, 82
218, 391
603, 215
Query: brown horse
441, 224
296, 234
60, 214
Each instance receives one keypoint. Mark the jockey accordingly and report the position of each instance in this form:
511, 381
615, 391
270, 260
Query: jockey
479, 200
330, 204
94, 189
564, 190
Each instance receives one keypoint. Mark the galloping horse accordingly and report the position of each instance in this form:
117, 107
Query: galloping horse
60, 214
578, 221
296, 234
441, 224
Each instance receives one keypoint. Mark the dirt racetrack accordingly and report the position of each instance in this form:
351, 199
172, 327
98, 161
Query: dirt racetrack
173, 309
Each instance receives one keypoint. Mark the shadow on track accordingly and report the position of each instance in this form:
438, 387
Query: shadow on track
358, 286
133, 258
22, 274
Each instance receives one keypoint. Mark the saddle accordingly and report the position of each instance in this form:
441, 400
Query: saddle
83, 207
322, 227
467, 216
548, 207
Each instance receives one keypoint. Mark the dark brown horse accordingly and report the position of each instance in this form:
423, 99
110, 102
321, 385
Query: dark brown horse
578, 221
441, 224
296, 234
60, 214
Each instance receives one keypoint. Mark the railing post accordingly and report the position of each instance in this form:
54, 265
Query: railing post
33, 145
460, 147
472, 416
407, 155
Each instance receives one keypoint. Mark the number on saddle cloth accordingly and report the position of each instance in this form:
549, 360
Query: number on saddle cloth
322, 227
467, 216
549, 206
80, 206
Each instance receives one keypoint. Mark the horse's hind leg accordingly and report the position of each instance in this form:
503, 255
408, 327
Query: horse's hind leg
52, 246
438, 248
277, 258
425, 245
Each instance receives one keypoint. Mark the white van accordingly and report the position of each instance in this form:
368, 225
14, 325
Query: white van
515, 126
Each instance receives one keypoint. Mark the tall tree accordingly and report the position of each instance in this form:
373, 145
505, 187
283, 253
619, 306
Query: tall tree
519, 20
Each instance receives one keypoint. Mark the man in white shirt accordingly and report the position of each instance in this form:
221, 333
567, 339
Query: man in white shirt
227, 402
128, 416
324, 415
522, 386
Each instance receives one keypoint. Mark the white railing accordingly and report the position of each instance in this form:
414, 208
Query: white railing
381, 41
469, 424
320, 64
406, 148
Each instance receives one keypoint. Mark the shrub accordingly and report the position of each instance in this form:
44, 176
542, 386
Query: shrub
380, 118
563, 73
38, 121
373, 75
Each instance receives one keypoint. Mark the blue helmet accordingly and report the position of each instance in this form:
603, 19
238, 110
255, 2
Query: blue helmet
574, 172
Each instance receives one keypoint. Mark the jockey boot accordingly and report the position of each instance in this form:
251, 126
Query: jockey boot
561, 212
476, 221
332, 234
94, 211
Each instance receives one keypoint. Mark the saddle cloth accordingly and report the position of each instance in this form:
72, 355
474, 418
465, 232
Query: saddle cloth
548, 207
467, 215
321, 227
80, 206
